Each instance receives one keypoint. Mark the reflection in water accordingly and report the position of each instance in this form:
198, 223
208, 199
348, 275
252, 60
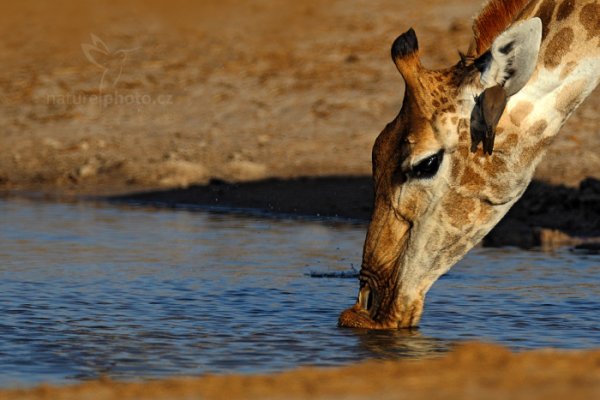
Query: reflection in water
405, 343
129, 293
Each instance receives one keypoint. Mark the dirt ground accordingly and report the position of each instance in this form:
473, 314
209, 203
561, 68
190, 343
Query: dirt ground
107, 97
473, 371
113, 97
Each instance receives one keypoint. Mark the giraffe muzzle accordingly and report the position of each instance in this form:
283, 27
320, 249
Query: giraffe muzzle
360, 315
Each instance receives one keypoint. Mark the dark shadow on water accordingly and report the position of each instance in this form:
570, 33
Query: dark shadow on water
343, 197
574, 211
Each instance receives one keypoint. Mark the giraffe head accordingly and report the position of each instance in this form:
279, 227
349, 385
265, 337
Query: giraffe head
437, 192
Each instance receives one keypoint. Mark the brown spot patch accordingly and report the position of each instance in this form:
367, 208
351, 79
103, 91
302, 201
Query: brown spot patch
520, 111
545, 14
531, 153
559, 45
568, 99
499, 191
538, 128
485, 212
463, 151
527, 11
454, 120
495, 165
458, 208
456, 167
510, 141
565, 9
567, 69
589, 18
435, 103
471, 180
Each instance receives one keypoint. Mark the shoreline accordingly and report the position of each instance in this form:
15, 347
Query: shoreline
546, 216
472, 370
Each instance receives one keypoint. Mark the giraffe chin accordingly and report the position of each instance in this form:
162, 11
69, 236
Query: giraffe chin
357, 317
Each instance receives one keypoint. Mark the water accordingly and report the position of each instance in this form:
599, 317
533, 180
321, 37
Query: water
130, 293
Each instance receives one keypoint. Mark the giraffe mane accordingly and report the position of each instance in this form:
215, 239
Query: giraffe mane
495, 17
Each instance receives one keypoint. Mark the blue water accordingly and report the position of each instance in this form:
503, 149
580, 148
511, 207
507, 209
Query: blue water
133, 293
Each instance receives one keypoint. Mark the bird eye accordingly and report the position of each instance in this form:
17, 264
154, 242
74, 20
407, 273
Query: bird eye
428, 167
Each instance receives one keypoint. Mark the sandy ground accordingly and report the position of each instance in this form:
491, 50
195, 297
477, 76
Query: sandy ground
107, 97
473, 371
172, 94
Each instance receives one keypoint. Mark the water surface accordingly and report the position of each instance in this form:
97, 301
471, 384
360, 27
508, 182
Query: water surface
135, 293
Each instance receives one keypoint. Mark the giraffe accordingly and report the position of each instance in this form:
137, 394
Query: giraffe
465, 145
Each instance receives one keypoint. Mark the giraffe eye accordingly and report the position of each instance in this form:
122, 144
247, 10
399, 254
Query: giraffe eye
428, 167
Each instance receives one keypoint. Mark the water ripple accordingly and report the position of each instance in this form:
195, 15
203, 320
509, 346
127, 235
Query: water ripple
129, 293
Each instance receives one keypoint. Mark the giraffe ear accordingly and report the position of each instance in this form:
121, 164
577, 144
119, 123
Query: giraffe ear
513, 57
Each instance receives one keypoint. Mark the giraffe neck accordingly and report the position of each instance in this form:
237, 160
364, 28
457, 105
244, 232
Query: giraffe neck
567, 71
568, 66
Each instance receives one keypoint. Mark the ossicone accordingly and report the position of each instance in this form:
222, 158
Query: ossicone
405, 45
405, 53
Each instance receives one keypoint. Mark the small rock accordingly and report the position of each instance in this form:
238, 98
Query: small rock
246, 170
551, 238
181, 174
52, 143
87, 171
263, 139
352, 58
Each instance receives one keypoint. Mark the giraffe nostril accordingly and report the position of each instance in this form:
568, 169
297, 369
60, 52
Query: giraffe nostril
365, 298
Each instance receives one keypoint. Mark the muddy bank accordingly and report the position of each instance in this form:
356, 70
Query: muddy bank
471, 371
546, 215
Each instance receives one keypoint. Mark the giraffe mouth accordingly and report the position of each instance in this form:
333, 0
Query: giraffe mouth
383, 310
360, 315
